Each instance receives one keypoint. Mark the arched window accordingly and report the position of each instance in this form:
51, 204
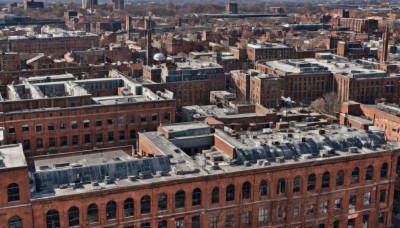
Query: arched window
145, 225
384, 170
15, 222
355, 175
325, 180
145, 207
230, 193
196, 197
263, 188
297, 184
111, 210
180, 198
73, 217
93, 213
340, 178
215, 195
281, 187
369, 173
162, 224
246, 190
52, 219
13, 192
311, 182
128, 207
162, 202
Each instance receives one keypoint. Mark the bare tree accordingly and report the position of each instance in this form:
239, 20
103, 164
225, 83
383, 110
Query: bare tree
328, 104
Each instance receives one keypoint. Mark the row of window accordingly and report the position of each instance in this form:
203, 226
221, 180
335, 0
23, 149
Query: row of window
75, 140
86, 123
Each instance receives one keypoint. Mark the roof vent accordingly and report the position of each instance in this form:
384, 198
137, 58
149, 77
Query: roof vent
108, 180
95, 185
145, 175
132, 178
353, 150
247, 163
280, 159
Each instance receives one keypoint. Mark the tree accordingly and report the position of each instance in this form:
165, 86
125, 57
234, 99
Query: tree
328, 104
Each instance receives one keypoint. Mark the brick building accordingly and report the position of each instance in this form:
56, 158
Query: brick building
59, 114
303, 81
355, 24
352, 50
269, 51
50, 44
10, 61
190, 82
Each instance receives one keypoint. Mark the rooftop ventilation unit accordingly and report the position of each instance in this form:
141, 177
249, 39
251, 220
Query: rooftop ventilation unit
132, 178
280, 160
353, 150
145, 175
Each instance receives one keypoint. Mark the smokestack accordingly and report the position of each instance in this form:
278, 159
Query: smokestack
385, 44
149, 51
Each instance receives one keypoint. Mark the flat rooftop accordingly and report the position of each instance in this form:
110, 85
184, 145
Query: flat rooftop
12, 156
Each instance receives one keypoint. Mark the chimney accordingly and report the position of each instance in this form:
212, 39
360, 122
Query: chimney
385, 44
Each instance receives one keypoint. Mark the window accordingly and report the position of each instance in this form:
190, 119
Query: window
281, 187
311, 182
214, 222
121, 135
162, 202
145, 225
246, 190
167, 116
367, 198
322, 225
93, 214
323, 207
86, 124
74, 125
25, 128
336, 224
110, 121
50, 127
111, 210
132, 134
110, 136
87, 138
132, 119
38, 127
196, 221
11, 130
229, 219
352, 201
99, 138
52, 219
354, 175
384, 169
196, 197
230, 193
369, 173
297, 184
263, 188
325, 180
13, 192
310, 210
262, 215
99, 123
179, 223
351, 223
215, 195
128, 207
145, 206
163, 224
246, 217
180, 199
64, 141
339, 178
296, 212
381, 217
73, 217
382, 196
39, 143
75, 140
26, 144
154, 117
63, 126
52, 142
15, 222
338, 204
121, 120
365, 221
143, 119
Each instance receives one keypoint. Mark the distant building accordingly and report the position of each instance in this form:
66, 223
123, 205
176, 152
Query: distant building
352, 50
33, 5
89, 4
356, 24
269, 51
118, 5
231, 7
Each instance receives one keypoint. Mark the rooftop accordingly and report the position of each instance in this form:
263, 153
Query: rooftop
12, 156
